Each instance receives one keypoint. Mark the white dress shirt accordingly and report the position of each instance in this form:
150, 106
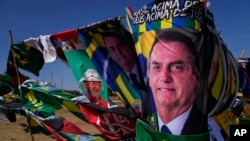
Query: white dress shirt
176, 125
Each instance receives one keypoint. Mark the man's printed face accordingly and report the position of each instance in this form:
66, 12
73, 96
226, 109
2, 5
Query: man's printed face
92, 88
171, 77
119, 51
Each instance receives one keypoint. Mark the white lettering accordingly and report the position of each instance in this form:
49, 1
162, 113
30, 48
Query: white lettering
237, 132
162, 10
240, 132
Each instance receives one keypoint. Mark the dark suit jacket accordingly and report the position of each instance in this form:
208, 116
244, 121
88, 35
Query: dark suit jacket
196, 123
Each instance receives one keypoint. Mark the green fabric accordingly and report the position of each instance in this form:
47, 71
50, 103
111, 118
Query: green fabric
48, 99
26, 57
144, 132
38, 101
6, 83
244, 121
79, 62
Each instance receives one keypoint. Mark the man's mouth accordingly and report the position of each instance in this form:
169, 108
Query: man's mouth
165, 89
93, 90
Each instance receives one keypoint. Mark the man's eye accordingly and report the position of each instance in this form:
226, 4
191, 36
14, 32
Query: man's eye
177, 68
156, 67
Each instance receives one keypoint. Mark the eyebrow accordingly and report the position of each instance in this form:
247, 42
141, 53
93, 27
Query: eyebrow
171, 63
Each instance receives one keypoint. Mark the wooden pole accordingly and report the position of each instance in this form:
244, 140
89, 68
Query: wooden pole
14, 59
18, 78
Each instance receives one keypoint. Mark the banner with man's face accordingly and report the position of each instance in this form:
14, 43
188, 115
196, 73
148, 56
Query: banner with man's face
72, 52
165, 59
111, 49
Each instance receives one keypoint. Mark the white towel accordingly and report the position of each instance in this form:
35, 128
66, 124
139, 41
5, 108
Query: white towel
45, 46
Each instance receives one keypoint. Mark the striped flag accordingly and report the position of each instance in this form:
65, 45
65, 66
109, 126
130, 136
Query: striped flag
47, 99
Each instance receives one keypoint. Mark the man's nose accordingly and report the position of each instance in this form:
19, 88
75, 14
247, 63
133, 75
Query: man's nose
91, 85
166, 75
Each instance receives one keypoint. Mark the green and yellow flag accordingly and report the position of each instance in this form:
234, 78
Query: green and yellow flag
144, 132
26, 57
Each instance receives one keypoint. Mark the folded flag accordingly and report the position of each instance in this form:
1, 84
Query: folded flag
114, 123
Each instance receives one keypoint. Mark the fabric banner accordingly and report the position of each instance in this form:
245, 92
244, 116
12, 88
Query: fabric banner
74, 51
163, 24
111, 48
68, 37
146, 132
26, 57
62, 129
47, 99
17, 77
157, 29
5, 84
44, 45
36, 100
176, 18
113, 124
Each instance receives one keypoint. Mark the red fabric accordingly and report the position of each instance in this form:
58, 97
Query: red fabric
69, 36
52, 131
65, 35
68, 127
71, 128
102, 103
12, 70
111, 125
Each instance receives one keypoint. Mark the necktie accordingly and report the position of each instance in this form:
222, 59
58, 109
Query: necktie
164, 129
135, 82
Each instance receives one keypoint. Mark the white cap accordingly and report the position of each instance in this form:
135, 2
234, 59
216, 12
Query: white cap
90, 75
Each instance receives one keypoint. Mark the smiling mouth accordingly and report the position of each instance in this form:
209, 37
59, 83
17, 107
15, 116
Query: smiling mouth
165, 89
93, 90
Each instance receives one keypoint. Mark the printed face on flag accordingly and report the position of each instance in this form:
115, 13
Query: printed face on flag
111, 49
92, 88
119, 48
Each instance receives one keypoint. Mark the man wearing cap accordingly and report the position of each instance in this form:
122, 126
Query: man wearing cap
92, 86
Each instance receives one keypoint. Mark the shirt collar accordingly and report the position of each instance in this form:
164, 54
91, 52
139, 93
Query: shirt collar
176, 125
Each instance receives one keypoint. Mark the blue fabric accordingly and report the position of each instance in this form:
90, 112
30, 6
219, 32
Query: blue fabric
164, 129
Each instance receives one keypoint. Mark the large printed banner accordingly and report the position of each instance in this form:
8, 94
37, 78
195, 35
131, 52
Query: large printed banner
187, 67
111, 49
72, 51
171, 65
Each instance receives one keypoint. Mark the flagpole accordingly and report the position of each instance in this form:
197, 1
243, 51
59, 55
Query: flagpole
18, 79
14, 59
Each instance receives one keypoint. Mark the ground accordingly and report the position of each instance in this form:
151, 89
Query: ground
18, 131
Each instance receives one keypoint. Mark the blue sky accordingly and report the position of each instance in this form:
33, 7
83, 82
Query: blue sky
32, 18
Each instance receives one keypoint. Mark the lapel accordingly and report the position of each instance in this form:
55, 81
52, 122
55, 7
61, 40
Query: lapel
196, 123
